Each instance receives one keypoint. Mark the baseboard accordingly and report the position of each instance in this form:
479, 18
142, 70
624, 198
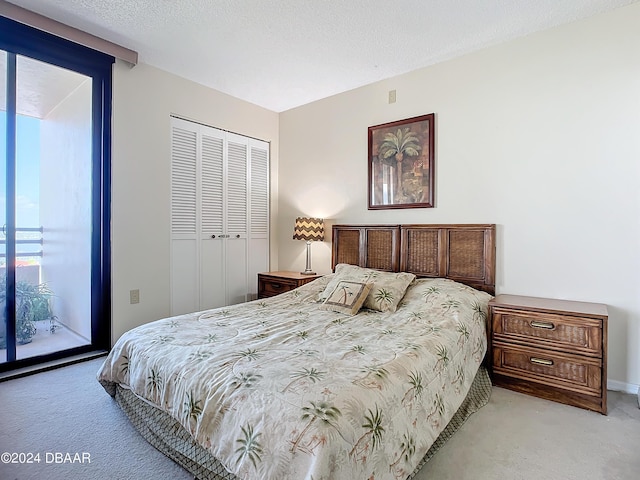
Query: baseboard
622, 387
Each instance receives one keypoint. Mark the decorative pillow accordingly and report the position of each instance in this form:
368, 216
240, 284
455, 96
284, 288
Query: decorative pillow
388, 287
347, 297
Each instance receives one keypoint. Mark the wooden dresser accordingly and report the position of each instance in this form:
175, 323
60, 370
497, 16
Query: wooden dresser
554, 349
274, 283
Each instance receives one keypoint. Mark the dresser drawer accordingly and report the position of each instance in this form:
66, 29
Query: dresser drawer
275, 283
576, 373
271, 287
556, 332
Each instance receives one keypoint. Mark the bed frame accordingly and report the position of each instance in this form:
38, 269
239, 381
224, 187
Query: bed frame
464, 253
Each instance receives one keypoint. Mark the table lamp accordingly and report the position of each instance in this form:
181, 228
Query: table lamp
310, 230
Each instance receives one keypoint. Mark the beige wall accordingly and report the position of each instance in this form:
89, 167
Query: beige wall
65, 208
143, 100
540, 135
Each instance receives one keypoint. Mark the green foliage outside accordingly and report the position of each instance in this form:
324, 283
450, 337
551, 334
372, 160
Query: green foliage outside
32, 305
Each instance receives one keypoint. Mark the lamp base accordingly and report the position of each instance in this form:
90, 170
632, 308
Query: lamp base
307, 268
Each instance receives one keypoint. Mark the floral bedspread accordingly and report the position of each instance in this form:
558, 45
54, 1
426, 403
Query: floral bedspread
280, 389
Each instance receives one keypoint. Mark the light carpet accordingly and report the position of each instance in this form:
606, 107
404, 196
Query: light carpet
514, 437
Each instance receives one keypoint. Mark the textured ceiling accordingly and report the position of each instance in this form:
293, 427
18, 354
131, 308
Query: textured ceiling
280, 54
41, 86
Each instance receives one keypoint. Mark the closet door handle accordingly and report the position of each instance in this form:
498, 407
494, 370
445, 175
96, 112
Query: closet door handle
238, 236
213, 236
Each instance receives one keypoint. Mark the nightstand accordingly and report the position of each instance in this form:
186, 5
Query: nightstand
275, 283
553, 349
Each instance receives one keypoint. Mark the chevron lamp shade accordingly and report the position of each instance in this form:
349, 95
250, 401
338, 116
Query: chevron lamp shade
309, 229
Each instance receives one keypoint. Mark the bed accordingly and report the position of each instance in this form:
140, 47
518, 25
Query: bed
297, 387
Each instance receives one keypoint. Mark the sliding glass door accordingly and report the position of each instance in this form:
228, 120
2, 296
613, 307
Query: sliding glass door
54, 191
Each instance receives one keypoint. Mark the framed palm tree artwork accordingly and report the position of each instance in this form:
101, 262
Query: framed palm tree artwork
401, 163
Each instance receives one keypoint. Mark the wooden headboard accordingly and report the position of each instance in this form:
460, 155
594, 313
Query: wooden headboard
464, 253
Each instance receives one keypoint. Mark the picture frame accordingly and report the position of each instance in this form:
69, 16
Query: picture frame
401, 163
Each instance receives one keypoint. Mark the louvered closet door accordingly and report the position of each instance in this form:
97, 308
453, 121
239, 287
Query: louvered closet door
184, 231
258, 212
212, 229
237, 217
219, 216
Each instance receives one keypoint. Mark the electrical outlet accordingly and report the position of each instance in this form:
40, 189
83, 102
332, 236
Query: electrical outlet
134, 296
392, 96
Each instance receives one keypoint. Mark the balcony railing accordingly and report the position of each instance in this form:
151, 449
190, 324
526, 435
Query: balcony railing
25, 241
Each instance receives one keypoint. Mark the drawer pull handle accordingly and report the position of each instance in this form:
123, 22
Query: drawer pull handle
276, 286
547, 325
541, 361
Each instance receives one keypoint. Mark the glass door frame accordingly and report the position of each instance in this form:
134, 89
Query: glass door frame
19, 39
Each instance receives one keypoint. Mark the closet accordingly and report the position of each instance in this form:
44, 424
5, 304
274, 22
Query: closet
219, 216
